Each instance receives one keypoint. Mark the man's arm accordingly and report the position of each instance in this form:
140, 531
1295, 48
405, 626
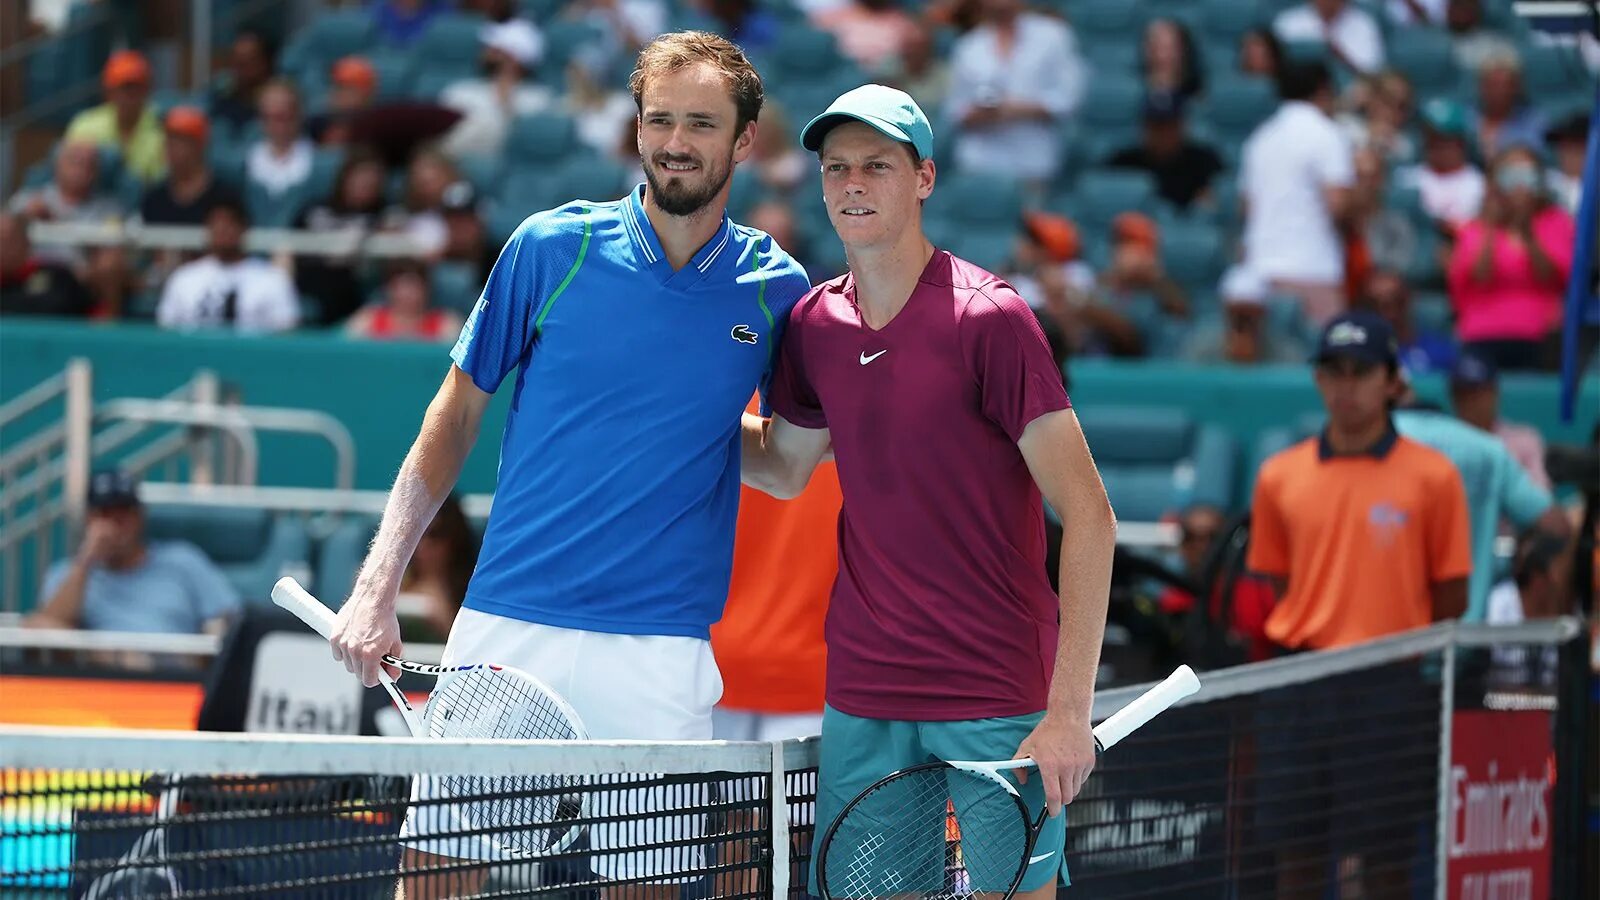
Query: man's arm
778, 457
1449, 599
1058, 458
63, 606
367, 626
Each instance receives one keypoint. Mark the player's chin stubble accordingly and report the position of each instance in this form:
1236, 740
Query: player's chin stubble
682, 197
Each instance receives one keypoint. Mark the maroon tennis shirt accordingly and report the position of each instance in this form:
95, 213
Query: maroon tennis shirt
942, 609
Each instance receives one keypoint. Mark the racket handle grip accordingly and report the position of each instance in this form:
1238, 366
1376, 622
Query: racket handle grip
288, 594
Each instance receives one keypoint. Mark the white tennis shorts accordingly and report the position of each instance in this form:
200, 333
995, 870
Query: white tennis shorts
623, 687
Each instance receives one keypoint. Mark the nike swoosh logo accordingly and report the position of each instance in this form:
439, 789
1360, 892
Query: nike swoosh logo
866, 359
1041, 857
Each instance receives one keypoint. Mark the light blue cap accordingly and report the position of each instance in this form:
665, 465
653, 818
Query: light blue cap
891, 111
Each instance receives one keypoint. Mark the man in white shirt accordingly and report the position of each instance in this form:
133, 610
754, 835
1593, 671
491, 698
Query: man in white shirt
488, 105
1295, 176
225, 288
282, 159
1351, 34
1013, 80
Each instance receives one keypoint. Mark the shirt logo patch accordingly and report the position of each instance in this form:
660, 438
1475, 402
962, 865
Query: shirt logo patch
866, 359
744, 335
1387, 520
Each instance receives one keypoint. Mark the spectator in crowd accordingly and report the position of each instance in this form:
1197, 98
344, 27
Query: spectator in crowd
1473, 42
1508, 271
1244, 336
250, 67
873, 34
1135, 287
779, 164
281, 161
466, 238
1351, 35
1049, 274
922, 72
1013, 80
1449, 186
126, 121
1382, 118
1364, 533
1421, 352
1475, 397
190, 190
1504, 116
1497, 489
71, 197
422, 214
356, 206
353, 89
1182, 167
119, 580
1415, 12
30, 284
435, 582
1169, 60
1568, 140
1295, 177
1377, 237
624, 27
225, 288
604, 118
400, 22
745, 22
1260, 54
489, 104
1541, 575
405, 310
1199, 529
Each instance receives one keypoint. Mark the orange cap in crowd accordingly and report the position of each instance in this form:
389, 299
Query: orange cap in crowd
1135, 228
123, 68
189, 122
356, 72
1056, 234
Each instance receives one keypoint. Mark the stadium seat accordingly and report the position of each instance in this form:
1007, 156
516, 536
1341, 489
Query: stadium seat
1111, 107
484, 172
541, 140
1235, 106
563, 40
993, 249
1191, 253
1425, 57
1103, 193
454, 285
1431, 312
252, 547
979, 200
451, 43
592, 178
1549, 72
804, 54
1224, 20
1155, 459
395, 70
1102, 22
331, 35
339, 557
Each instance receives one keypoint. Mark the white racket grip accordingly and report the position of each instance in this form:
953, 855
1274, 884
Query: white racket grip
288, 594
1180, 684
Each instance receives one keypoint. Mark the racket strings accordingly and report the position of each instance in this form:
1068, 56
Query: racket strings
529, 814
938, 834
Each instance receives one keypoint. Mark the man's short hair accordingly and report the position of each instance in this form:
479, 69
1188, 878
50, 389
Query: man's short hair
233, 207
1303, 79
681, 49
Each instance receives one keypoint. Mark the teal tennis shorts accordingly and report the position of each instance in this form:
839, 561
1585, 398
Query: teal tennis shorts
857, 752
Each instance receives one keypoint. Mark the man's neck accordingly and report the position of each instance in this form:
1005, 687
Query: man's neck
189, 185
683, 236
133, 560
1357, 439
885, 277
227, 258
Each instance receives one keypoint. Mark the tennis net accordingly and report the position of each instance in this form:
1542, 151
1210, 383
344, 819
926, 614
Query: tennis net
1394, 764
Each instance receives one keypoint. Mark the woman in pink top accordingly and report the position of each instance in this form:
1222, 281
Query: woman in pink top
1509, 269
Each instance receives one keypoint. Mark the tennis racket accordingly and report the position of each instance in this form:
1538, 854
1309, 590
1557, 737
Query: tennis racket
526, 816
955, 829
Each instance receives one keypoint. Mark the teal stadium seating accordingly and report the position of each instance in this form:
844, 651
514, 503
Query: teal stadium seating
1155, 460
252, 547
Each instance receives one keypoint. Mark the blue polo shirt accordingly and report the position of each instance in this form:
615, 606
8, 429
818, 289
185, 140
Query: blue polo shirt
619, 470
1497, 488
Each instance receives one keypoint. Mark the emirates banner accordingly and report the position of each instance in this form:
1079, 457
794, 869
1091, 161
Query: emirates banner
1500, 806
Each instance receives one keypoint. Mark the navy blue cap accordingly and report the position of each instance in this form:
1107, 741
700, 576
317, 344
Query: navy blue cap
1162, 106
1359, 335
113, 488
1472, 370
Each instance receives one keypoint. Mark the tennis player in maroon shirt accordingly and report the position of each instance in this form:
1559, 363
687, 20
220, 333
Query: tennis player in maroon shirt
932, 382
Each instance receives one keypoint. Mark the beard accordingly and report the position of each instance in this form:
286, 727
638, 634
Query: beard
685, 195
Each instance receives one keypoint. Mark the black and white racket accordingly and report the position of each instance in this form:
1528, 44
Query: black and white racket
955, 829
532, 815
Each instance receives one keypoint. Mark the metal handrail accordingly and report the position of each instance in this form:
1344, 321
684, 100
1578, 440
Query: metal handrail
295, 241
176, 412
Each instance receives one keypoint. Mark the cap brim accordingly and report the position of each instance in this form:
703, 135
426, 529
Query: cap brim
1358, 355
817, 129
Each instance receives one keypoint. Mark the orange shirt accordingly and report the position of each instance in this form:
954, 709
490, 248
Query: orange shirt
1360, 539
769, 643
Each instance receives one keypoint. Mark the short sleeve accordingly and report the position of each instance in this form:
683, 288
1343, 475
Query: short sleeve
792, 395
1449, 539
780, 294
1269, 536
500, 331
1008, 356
53, 578
1522, 500
1334, 160
212, 594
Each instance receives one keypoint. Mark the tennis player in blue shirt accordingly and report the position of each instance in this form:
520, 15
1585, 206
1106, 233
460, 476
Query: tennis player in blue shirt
638, 328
